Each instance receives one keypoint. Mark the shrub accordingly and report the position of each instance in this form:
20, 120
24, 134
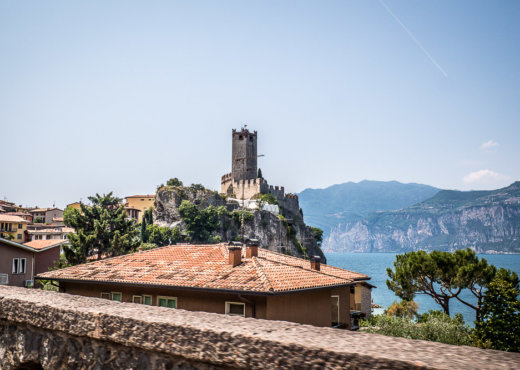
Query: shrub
437, 328
174, 182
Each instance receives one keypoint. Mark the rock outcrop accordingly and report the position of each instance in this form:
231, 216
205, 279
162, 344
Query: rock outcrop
488, 222
285, 233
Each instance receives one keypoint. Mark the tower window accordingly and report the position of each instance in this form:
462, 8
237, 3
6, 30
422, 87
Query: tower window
250, 138
240, 137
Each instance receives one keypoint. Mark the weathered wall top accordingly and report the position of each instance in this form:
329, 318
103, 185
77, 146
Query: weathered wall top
226, 341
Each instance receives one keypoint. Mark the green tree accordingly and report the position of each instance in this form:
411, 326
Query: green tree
174, 182
38, 220
162, 235
403, 309
197, 187
101, 229
144, 234
317, 234
500, 313
472, 273
200, 223
418, 272
442, 276
259, 174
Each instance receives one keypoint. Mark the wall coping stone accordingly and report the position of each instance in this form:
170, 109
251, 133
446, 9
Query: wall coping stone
234, 341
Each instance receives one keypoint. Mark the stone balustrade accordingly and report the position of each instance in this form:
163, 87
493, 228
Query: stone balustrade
41, 329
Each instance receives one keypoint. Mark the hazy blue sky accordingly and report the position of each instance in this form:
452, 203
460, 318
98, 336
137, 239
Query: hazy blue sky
122, 95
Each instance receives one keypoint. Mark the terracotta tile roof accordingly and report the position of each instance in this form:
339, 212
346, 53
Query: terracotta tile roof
326, 269
41, 244
39, 210
207, 267
9, 218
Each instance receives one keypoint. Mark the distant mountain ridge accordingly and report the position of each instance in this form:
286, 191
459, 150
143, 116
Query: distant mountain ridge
487, 221
348, 202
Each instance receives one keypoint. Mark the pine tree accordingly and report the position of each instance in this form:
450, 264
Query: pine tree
103, 229
259, 174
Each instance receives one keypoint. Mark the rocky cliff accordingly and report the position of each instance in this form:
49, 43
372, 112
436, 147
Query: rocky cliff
284, 233
487, 221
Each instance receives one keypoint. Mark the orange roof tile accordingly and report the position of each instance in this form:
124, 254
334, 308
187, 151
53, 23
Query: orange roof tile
42, 244
207, 267
9, 218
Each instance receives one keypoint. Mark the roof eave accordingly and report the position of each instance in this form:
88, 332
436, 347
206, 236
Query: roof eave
200, 289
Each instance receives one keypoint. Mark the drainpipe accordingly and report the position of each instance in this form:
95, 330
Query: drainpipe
32, 269
253, 305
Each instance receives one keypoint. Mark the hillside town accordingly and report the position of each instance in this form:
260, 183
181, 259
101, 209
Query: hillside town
273, 269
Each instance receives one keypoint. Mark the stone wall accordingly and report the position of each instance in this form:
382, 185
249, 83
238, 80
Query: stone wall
40, 329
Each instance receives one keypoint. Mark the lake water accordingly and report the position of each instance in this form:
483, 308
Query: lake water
375, 264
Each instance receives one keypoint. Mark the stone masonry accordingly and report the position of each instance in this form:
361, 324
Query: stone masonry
41, 329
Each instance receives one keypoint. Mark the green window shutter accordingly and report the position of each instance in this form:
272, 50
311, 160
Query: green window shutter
162, 302
148, 300
172, 303
116, 297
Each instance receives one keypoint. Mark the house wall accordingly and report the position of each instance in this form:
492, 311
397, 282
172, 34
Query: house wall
140, 203
46, 259
344, 304
9, 252
17, 230
312, 307
52, 213
186, 300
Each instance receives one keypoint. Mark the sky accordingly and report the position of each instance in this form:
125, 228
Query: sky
100, 96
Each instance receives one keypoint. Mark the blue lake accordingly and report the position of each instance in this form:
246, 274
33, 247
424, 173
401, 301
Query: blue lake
375, 264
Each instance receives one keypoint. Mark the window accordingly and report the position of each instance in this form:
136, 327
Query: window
19, 265
19, 236
116, 296
19, 226
105, 295
235, 309
170, 302
137, 299
4, 279
147, 299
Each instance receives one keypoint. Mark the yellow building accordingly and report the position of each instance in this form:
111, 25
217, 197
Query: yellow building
141, 203
75, 205
13, 228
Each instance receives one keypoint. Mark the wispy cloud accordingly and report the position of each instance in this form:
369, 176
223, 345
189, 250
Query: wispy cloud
489, 145
484, 177
417, 42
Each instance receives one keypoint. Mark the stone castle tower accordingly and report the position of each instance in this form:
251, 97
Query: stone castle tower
244, 155
243, 181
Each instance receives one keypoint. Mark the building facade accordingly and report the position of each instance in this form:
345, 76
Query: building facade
250, 282
21, 262
137, 204
13, 228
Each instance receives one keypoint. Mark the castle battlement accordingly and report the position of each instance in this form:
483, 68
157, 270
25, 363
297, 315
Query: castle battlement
226, 177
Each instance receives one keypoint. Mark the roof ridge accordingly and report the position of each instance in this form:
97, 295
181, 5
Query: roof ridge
297, 259
309, 269
262, 274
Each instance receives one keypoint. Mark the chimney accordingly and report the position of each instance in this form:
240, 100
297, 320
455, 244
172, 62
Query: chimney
140, 249
235, 253
315, 263
252, 248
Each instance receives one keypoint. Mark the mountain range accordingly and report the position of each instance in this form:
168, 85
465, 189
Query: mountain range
373, 216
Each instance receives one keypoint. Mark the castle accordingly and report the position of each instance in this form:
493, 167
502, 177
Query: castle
243, 181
